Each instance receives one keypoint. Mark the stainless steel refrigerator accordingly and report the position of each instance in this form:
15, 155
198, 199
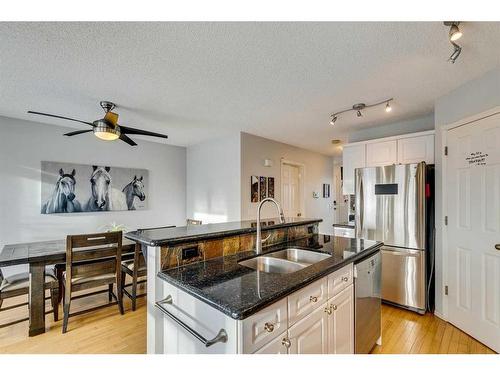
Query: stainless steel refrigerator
394, 204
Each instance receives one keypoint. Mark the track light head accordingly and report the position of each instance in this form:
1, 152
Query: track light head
457, 50
388, 107
359, 114
455, 33
332, 121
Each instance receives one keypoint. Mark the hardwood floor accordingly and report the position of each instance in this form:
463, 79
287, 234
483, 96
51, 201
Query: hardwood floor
405, 332
106, 331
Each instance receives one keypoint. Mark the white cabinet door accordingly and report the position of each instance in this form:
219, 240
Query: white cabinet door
416, 149
341, 322
310, 335
381, 153
276, 346
352, 157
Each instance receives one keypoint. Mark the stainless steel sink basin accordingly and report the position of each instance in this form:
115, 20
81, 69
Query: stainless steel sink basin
284, 261
301, 256
272, 265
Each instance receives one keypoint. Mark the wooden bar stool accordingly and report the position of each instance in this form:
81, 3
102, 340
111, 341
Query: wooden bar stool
18, 284
92, 260
136, 269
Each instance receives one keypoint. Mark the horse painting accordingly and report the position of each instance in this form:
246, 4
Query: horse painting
104, 197
104, 188
134, 189
63, 197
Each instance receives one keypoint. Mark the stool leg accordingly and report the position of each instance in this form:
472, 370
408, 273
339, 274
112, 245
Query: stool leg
110, 292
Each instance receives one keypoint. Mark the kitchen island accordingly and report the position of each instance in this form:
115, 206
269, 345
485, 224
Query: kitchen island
218, 305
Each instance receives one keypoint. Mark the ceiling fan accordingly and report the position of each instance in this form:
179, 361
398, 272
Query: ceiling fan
106, 128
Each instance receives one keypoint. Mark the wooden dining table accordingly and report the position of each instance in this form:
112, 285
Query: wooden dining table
38, 255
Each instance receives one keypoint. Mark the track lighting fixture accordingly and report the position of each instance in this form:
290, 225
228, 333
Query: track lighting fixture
388, 107
361, 106
457, 50
454, 34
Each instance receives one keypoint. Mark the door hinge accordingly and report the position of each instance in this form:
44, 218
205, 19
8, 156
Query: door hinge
446, 290
445, 150
446, 220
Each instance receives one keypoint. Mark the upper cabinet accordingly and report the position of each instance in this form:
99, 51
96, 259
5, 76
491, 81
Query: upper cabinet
354, 157
416, 149
403, 149
381, 153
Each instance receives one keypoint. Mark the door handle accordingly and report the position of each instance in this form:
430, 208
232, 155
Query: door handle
497, 246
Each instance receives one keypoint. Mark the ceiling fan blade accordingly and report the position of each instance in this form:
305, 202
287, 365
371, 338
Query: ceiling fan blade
124, 138
78, 132
62, 117
127, 130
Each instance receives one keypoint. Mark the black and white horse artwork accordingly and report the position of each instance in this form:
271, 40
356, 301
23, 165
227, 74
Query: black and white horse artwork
100, 188
63, 197
104, 197
134, 189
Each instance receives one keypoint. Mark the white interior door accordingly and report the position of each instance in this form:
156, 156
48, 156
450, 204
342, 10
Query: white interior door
291, 194
473, 206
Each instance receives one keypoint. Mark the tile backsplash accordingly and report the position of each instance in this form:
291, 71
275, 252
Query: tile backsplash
174, 256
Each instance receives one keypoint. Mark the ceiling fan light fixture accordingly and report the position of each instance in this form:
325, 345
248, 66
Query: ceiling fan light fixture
106, 132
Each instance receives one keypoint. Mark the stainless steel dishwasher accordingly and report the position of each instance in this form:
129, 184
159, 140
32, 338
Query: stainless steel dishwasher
367, 281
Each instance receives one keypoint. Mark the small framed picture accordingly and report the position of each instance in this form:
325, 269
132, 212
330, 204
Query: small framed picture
263, 187
270, 187
254, 189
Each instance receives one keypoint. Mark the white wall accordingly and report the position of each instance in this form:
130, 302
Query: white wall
24, 144
318, 170
473, 97
413, 125
213, 180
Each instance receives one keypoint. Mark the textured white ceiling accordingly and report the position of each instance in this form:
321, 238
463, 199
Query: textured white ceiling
196, 81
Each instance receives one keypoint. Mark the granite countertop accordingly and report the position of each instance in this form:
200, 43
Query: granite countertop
175, 235
239, 291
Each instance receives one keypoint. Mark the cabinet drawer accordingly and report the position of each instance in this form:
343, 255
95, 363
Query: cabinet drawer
306, 300
263, 326
339, 280
343, 232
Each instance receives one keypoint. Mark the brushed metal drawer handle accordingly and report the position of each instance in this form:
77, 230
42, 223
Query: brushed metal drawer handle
286, 342
345, 279
269, 327
313, 299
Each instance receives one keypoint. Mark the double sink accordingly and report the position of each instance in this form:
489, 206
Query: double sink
284, 261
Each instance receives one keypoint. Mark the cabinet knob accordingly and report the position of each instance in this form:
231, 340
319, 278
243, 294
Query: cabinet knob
497, 246
328, 310
269, 327
313, 299
345, 279
286, 342
334, 307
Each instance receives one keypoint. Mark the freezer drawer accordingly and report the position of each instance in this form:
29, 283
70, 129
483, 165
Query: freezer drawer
403, 277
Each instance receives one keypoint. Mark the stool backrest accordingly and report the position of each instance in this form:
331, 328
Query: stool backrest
89, 255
